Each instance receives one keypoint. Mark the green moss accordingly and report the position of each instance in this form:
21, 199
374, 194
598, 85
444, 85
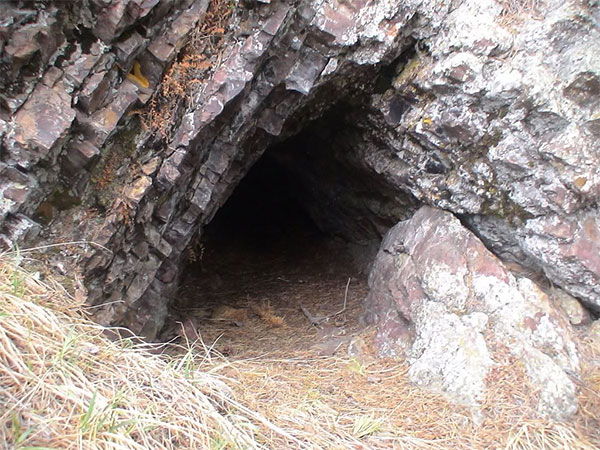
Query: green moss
163, 199
502, 112
490, 140
481, 150
499, 204
409, 72
117, 153
62, 199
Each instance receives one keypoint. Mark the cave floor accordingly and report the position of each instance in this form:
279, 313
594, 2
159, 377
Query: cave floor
325, 377
245, 297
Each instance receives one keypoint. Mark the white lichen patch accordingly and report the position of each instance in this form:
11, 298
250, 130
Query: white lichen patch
450, 352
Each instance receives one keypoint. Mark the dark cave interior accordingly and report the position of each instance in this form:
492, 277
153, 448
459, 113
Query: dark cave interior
262, 260
265, 229
298, 227
263, 212
308, 190
298, 233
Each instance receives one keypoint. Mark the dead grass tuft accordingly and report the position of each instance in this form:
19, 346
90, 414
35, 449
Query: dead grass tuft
344, 403
515, 11
589, 385
267, 314
64, 385
192, 69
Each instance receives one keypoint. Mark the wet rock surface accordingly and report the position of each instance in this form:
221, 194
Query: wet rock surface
376, 108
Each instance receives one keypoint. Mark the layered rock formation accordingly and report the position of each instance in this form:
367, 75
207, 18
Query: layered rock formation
477, 107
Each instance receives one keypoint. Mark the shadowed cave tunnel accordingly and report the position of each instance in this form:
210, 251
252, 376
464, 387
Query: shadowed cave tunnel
298, 234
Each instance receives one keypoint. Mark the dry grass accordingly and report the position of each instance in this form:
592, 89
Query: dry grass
520, 6
343, 403
64, 385
266, 313
516, 11
354, 402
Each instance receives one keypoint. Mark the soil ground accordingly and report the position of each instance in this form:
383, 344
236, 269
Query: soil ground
292, 371
246, 292
323, 381
264, 272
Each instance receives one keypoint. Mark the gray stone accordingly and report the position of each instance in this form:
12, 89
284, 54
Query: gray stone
402, 104
81, 155
459, 301
571, 307
128, 49
96, 90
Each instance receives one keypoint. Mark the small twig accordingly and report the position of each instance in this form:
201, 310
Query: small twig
345, 299
60, 244
101, 304
312, 319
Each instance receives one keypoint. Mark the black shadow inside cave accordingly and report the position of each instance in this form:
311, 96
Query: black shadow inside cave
265, 271
300, 229
261, 243
263, 215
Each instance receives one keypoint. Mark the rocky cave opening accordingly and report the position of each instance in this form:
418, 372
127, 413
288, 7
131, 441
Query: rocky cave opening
283, 265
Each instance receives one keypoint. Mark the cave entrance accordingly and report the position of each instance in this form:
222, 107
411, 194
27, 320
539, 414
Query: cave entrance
266, 276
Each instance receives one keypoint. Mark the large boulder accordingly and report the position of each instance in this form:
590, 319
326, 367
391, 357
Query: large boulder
439, 297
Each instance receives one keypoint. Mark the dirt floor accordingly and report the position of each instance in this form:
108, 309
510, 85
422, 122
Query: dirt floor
264, 281
292, 293
321, 383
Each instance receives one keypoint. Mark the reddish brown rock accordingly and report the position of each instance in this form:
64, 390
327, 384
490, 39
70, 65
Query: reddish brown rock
96, 90
569, 251
115, 17
128, 49
42, 122
81, 155
438, 292
102, 124
397, 104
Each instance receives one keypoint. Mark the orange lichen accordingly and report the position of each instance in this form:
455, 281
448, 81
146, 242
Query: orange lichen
580, 182
137, 77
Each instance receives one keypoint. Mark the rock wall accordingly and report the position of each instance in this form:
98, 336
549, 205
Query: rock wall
469, 106
496, 134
